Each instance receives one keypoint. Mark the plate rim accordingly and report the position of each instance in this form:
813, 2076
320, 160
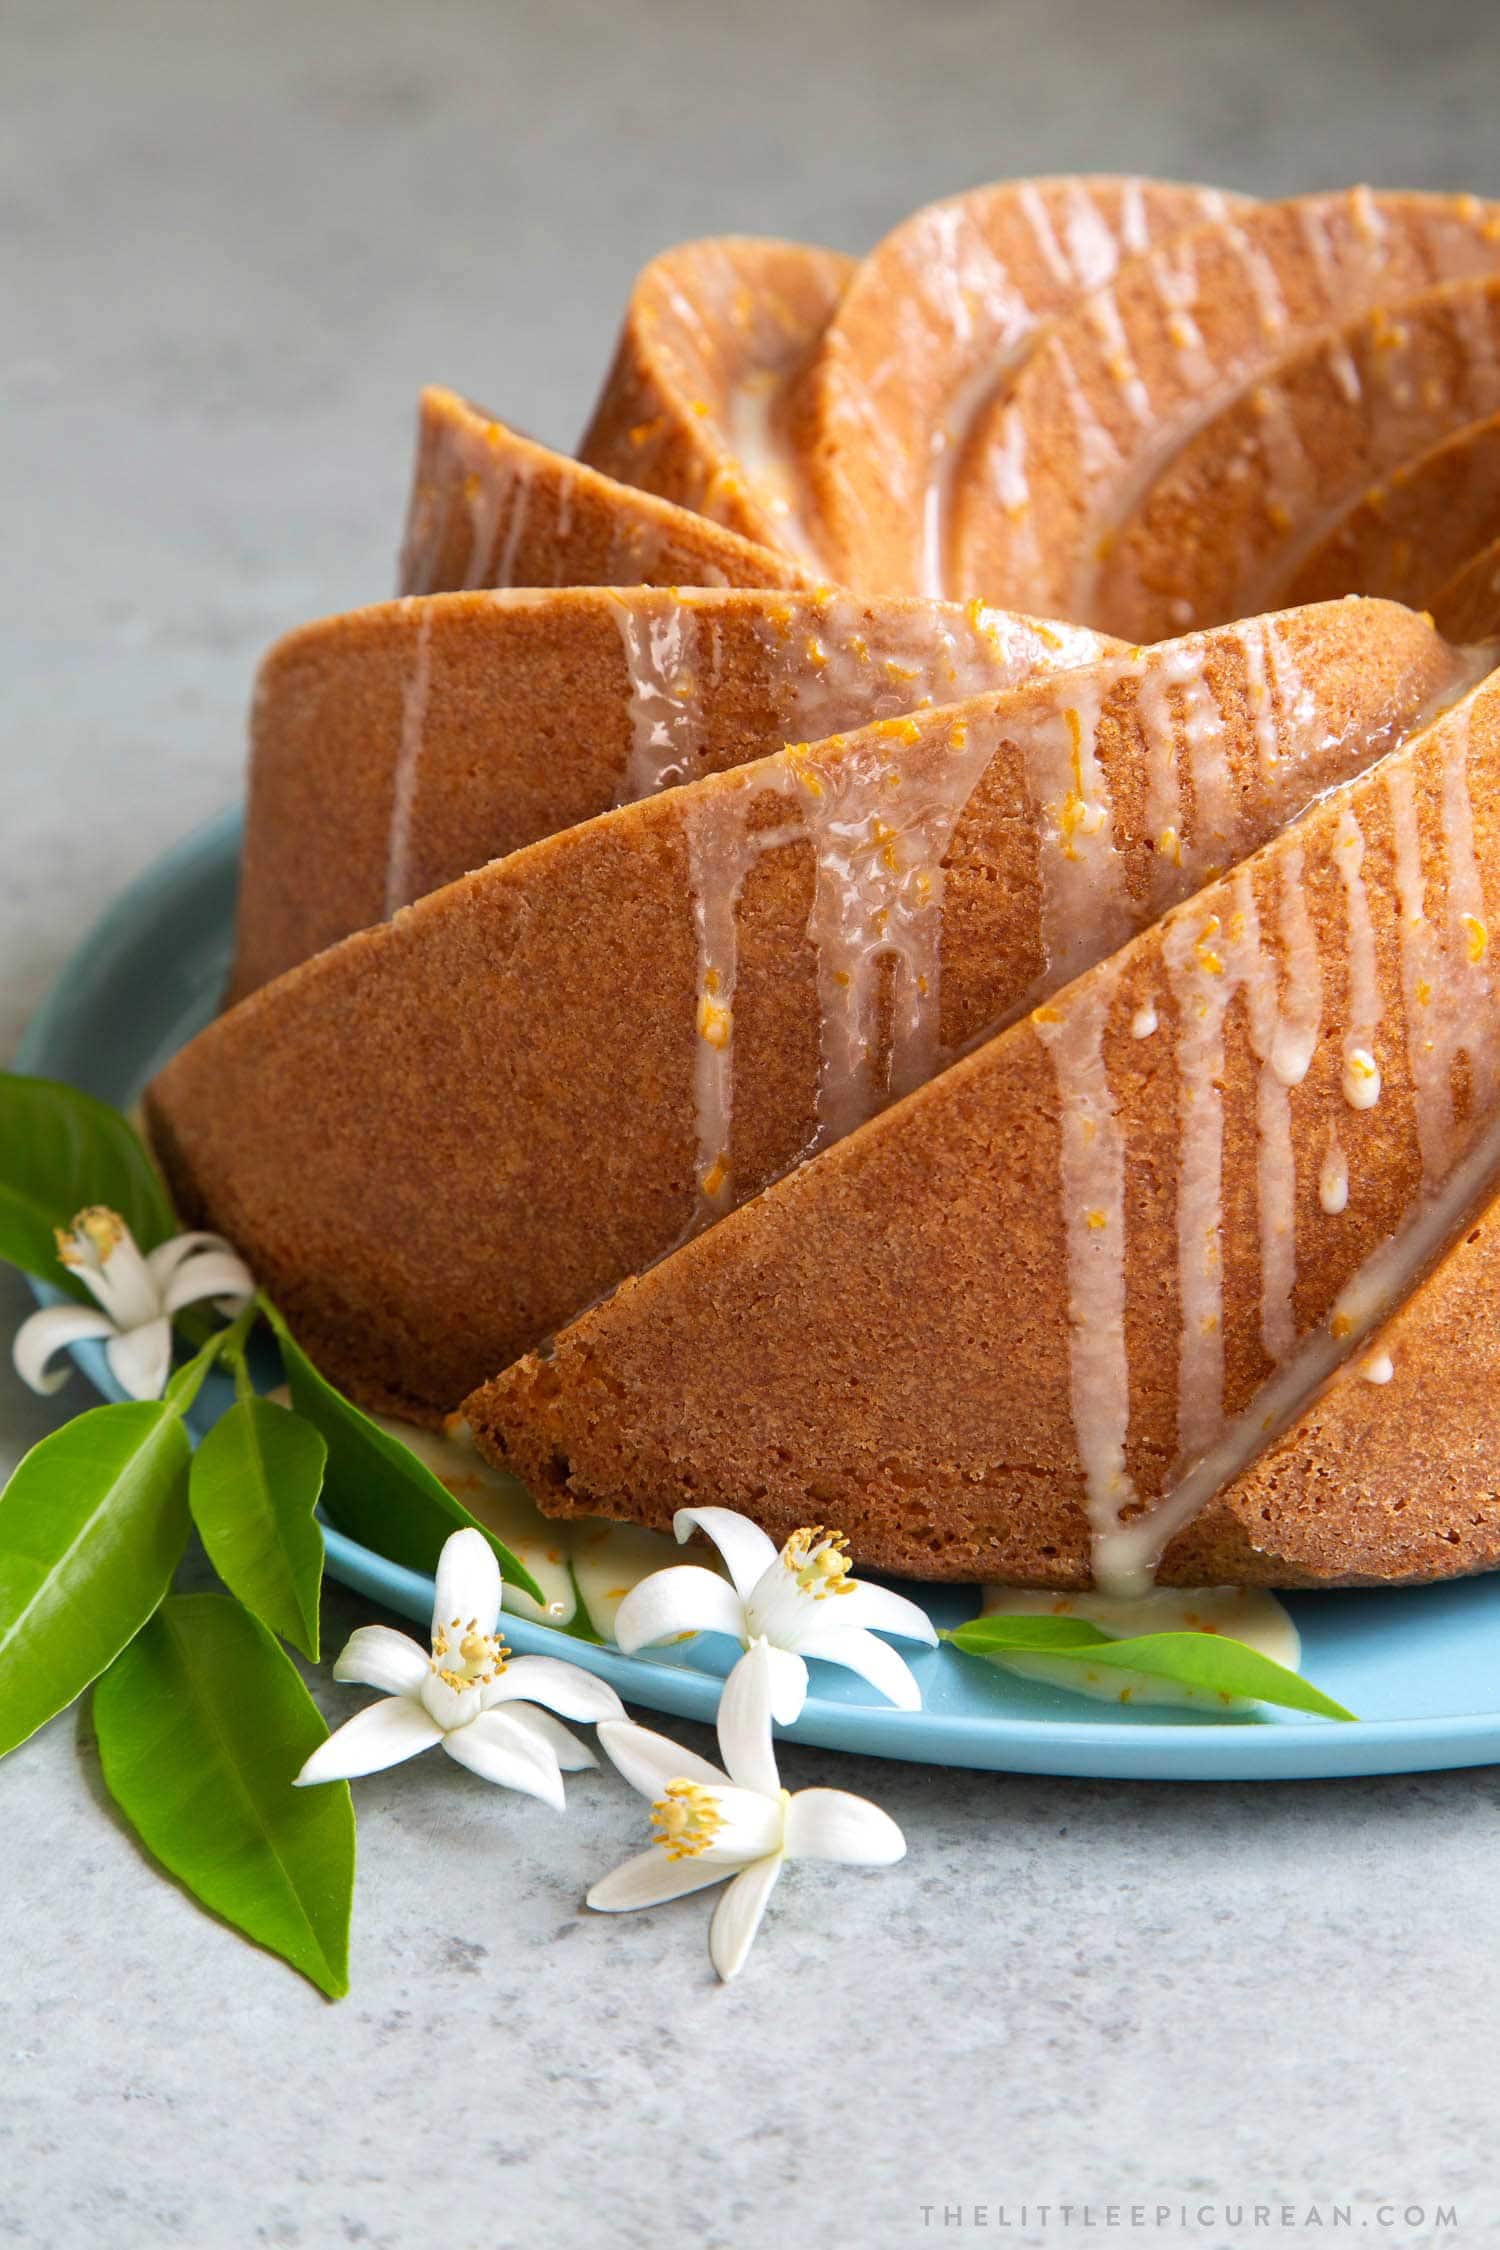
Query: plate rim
1170, 1750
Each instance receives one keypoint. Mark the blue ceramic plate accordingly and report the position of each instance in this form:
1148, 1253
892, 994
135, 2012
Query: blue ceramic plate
1422, 1667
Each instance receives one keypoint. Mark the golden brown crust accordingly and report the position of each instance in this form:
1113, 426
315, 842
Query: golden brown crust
1118, 386
1227, 519
1396, 1473
883, 1339
713, 335
1093, 1268
396, 748
492, 508
1404, 539
438, 1140
939, 315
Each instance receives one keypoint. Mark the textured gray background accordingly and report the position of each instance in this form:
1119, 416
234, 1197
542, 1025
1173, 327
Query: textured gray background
233, 241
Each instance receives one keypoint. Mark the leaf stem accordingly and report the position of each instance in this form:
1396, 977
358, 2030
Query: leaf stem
227, 1344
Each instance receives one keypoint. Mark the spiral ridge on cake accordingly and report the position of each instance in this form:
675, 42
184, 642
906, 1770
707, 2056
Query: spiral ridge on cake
906, 940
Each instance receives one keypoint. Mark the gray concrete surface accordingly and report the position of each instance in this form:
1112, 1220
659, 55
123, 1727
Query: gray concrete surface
233, 241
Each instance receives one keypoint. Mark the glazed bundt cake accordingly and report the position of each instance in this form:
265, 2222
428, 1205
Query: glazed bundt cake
740, 998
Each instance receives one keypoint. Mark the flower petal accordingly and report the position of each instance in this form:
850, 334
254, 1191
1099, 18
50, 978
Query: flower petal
208, 1273
737, 1915
381, 1735
468, 1583
649, 1761
788, 1685
572, 1755
752, 1825
378, 1656
748, 1552
119, 1280
830, 1824
880, 1611
684, 1599
163, 1261
45, 1334
745, 1723
650, 1879
874, 1660
562, 1687
141, 1359
495, 1748
448, 1706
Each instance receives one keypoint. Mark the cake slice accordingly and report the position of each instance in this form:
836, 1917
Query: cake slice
1117, 386
936, 319
438, 1140
1027, 1324
398, 747
1405, 538
1234, 511
1384, 1475
492, 508
692, 405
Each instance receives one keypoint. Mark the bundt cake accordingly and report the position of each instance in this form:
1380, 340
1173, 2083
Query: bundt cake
739, 996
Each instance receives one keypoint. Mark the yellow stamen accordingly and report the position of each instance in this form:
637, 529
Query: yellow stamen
819, 1561
102, 1229
686, 1820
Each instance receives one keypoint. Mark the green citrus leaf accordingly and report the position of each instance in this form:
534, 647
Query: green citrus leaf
92, 1526
255, 1483
375, 1488
983, 1636
203, 1725
61, 1150
1211, 1661
580, 1624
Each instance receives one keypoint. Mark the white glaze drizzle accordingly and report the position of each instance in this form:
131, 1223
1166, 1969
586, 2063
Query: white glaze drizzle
982, 320
1361, 1071
1085, 909
834, 662
878, 825
1207, 964
404, 775
1093, 251
518, 503
1039, 219
1264, 287
485, 492
1468, 930
494, 484
1333, 1178
767, 463
579, 1555
666, 713
1099, 457
1254, 637
1157, 722
1102, 310
721, 849
1458, 1177
1092, 1163
1005, 469
1445, 977
1387, 1277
